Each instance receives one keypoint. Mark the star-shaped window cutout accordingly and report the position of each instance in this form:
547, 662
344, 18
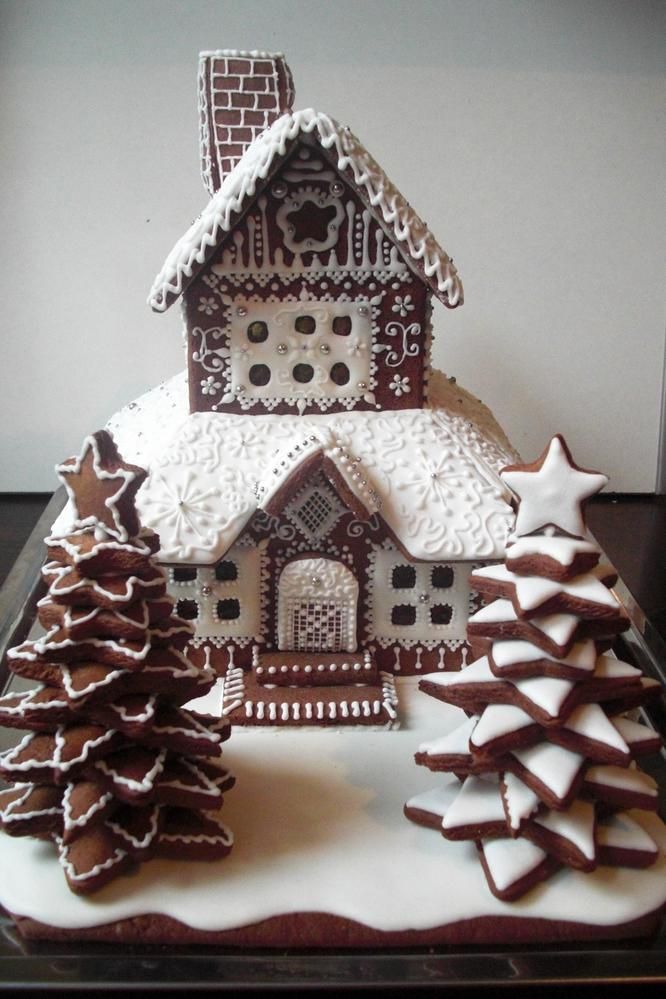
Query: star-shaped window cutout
102, 487
311, 222
552, 491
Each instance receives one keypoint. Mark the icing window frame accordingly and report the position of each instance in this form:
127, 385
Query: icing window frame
338, 366
239, 593
401, 612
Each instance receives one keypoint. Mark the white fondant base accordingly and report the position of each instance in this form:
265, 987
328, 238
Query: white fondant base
318, 825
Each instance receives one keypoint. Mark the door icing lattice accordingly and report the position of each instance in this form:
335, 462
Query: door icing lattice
317, 601
316, 626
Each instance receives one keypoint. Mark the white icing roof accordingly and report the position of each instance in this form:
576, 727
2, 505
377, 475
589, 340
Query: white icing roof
433, 473
220, 214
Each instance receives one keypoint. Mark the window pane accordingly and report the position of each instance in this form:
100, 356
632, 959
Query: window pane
259, 374
187, 609
303, 373
403, 614
257, 331
442, 577
403, 577
441, 613
228, 610
342, 325
226, 571
184, 575
340, 373
305, 324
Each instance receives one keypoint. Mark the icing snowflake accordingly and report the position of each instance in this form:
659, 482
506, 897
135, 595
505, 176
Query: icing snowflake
183, 506
400, 386
434, 477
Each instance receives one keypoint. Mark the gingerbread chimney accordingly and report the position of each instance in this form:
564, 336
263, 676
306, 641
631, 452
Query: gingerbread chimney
240, 95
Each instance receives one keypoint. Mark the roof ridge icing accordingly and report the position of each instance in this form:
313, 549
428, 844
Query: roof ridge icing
326, 441
220, 214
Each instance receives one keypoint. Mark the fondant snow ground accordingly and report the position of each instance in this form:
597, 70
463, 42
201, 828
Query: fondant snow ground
318, 824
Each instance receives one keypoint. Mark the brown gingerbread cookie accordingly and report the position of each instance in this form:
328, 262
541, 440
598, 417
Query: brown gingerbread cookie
552, 491
101, 487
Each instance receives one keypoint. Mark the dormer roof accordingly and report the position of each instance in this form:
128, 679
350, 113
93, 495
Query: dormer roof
262, 158
321, 450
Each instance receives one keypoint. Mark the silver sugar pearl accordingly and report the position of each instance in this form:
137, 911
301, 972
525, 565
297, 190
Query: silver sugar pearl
324, 348
362, 310
337, 188
424, 598
282, 348
241, 311
363, 386
206, 590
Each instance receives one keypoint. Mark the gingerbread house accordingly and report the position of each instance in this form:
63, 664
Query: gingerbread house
320, 495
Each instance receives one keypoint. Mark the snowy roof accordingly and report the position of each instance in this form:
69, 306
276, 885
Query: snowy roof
219, 216
295, 459
432, 473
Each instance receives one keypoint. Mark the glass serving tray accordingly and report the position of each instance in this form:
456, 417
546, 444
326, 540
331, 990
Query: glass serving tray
74, 966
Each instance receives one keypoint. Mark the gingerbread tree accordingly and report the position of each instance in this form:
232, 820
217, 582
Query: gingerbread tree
545, 762
113, 768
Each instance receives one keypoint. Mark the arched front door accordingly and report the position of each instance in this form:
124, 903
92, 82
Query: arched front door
317, 601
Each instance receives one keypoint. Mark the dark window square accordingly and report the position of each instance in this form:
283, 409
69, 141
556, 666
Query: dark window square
187, 609
184, 575
403, 577
257, 331
342, 325
441, 613
403, 614
442, 577
228, 610
226, 571
305, 324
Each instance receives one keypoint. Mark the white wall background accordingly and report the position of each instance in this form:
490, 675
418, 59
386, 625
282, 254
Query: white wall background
530, 134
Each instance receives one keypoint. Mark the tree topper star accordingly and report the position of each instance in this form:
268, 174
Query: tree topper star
102, 487
552, 491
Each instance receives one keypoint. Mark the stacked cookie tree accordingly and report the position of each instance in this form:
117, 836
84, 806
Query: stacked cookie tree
546, 759
113, 768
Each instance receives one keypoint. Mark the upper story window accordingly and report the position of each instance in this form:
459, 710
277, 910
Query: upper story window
291, 350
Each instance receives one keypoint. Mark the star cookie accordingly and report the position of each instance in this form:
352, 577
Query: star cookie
552, 491
102, 487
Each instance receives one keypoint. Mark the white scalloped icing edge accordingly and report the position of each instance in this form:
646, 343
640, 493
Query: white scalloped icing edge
220, 214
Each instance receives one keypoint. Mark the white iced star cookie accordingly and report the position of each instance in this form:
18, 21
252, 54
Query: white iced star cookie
552, 491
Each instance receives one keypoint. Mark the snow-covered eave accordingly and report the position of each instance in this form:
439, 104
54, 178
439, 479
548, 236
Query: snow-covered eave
411, 552
220, 215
